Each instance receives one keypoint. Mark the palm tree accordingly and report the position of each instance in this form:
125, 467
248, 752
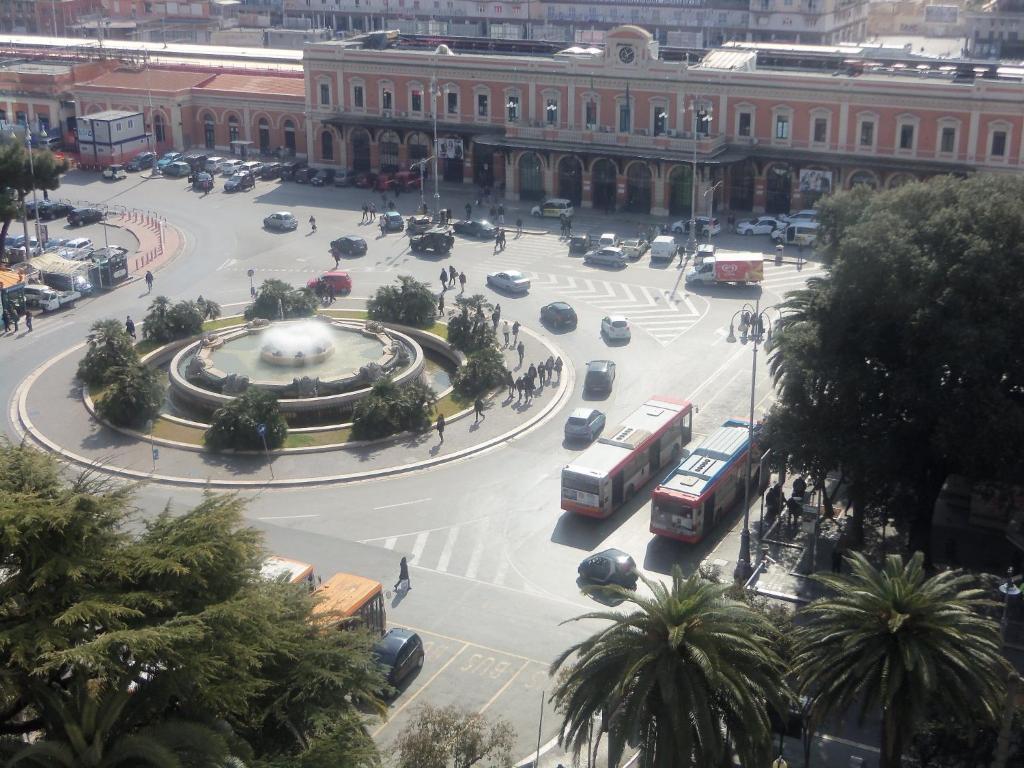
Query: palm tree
686, 675
896, 640
91, 730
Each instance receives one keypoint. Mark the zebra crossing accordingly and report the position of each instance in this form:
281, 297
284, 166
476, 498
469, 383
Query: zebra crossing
473, 550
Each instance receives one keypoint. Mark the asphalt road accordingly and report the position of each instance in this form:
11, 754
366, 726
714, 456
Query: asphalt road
494, 558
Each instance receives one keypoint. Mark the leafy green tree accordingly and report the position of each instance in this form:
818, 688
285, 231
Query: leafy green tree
21, 176
390, 408
471, 329
912, 341
896, 640
408, 302
236, 424
109, 347
687, 675
208, 309
276, 297
166, 322
484, 370
450, 737
133, 396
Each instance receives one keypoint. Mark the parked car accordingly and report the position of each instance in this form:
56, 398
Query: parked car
80, 216
600, 376
385, 182
705, 226
179, 169
554, 207
338, 279
584, 424
303, 175
213, 164
509, 280
399, 653
808, 214
608, 240
240, 181
54, 209
271, 171
167, 159
606, 257
348, 245
253, 166
634, 248
203, 182
40, 296
230, 167
558, 314
615, 328
141, 161
393, 221
408, 180
762, 225
79, 244
197, 160
475, 228
612, 566
114, 172
418, 224
365, 180
322, 178
581, 243
344, 178
281, 221
289, 169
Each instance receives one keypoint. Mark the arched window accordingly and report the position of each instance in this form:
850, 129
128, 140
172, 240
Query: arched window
289, 136
263, 129
233, 128
326, 146
158, 126
209, 132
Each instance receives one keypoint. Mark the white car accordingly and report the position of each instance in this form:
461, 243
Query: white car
615, 327
704, 225
634, 248
114, 173
808, 214
230, 167
509, 280
282, 221
608, 239
763, 225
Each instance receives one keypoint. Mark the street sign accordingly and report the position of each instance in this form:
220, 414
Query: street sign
156, 453
261, 430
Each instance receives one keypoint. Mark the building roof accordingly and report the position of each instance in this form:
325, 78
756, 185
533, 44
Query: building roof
110, 114
257, 85
148, 79
9, 278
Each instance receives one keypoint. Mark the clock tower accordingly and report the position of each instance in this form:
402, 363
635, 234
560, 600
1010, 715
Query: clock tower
630, 46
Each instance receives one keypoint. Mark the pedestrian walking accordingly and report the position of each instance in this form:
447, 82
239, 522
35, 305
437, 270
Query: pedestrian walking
28, 319
558, 368
799, 487
440, 427
452, 274
532, 372
515, 331
501, 236
495, 316
506, 332
332, 296
521, 349
440, 305
15, 318
462, 282
383, 226
520, 388
793, 510
510, 382
494, 213
403, 584
129, 327
550, 366
568, 228
497, 240
519, 226
373, 211
7, 321
366, 213
501, 211
149, 281
478, 410
773, 500
530, 387
469, 210
312, 224
444, 279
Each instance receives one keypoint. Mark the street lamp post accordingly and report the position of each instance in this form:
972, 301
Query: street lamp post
709, 196
758, 320
433, 104
700, 115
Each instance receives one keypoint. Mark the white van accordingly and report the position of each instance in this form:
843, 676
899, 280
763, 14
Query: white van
799, 233
608, 240
554, 207
230, 167
213, 164
664, 248
253, 167
41, 297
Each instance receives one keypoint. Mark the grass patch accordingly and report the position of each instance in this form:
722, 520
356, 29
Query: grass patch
438, 329
180, 433
146, 346
222, 322
451, 404
308, 439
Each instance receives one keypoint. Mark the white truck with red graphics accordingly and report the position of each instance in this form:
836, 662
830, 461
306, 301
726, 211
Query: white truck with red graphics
741, 268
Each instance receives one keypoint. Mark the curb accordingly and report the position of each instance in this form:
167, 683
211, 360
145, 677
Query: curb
20, 411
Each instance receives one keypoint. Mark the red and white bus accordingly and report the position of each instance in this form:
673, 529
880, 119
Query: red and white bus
699, 492
615, 467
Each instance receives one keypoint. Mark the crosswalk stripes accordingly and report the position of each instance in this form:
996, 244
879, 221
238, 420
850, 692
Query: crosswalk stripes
469, 550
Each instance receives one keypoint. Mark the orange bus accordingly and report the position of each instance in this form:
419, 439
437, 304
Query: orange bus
345, 596
292, 571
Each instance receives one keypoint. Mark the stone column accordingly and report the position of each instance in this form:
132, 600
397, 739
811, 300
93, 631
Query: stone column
467, 162
760, 194
587, 194
658, 206
512, 178
176, 132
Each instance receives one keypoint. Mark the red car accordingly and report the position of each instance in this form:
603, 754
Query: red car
338, 279
385, 182
366, 180
408, 180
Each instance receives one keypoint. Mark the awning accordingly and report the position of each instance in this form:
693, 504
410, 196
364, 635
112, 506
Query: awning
51, 262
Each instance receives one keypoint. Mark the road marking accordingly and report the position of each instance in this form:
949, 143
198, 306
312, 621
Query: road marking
647, 295
629, 293
478, 550
286, 517
422, 688
227, 264
499, 577
390, 543
418, 545
503, 688
488, 648
449, 547
401, 504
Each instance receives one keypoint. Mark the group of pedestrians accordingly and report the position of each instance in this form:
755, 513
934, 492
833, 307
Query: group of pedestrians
449, 277
775, 501
534, 379
12, 319
369, 213
566, 224
499, 240
510, 334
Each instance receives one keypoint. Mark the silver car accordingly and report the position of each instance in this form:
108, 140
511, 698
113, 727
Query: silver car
509, 280
607, 257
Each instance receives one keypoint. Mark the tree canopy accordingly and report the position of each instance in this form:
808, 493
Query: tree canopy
173, 611
22, 176
409, 302
278, 300
901, 366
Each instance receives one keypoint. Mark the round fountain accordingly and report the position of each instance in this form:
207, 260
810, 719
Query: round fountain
314, 366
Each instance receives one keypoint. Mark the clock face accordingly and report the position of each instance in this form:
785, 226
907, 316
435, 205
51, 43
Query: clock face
626, 54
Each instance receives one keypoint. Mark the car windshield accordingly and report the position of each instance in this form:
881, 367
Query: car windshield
577, 421
618, 323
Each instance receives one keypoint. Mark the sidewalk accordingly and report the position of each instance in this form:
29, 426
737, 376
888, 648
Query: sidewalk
159, 242
51, 409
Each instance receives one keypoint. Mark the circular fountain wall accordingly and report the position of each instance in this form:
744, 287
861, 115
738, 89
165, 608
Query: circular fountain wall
318, 364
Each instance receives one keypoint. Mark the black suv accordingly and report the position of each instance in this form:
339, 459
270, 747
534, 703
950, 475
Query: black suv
80, 216
581, 243
240, 181
54, 209
600, 376
271, 171
140, 161
438, 240
348, 245
303, 175
323, 177
558, 314
288, 170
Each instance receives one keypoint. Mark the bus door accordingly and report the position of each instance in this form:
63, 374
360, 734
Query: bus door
655, 462
710, 513
617, 488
